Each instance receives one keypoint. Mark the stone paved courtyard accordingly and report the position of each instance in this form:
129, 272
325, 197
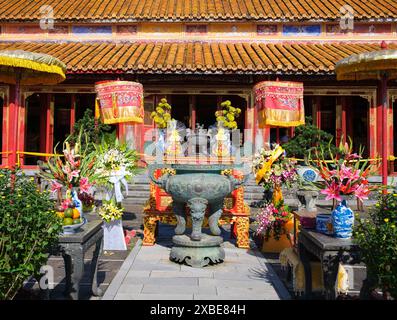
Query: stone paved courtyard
148, 274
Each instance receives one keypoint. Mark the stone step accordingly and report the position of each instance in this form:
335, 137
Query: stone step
135, 201
138, 194
139, 187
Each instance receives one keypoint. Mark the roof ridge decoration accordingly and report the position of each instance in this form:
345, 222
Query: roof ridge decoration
195, 10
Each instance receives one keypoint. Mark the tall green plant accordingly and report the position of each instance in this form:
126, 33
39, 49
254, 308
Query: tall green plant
94, 130
28, 228
307, 138
377, 238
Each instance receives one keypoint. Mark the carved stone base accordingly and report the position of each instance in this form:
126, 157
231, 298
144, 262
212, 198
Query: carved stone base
197, 254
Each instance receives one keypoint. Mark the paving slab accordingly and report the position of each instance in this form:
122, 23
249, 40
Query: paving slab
150, 275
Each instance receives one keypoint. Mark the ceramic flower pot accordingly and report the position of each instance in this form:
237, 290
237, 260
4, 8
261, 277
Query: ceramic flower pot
273, 245
77, 202
277, 194
342, 221
324, 224
113, 236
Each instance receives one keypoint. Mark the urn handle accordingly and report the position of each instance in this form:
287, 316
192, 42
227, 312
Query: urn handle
238, 182
160, 182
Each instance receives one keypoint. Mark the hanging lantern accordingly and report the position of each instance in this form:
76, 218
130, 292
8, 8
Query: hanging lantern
279, 103
119, 101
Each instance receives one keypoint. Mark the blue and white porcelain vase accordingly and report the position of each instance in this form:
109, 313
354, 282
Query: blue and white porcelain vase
76, 201
324, 224
342, 221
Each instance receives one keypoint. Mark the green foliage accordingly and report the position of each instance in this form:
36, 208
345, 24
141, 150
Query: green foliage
93, 132
28, 227
162, 114
377, 239
228, 115
308, 138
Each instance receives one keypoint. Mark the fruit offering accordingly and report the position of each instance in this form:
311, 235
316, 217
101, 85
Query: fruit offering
70, 215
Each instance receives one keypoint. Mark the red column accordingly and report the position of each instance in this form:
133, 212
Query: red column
21, 128
43, 118
317, 112
5, 133
13, 125
193, 112
344, 119
72, 112
383, 90
372, 130
49, 123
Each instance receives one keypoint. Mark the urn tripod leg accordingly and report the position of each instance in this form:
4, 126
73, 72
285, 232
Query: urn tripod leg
197, 210
179, 209
216, 212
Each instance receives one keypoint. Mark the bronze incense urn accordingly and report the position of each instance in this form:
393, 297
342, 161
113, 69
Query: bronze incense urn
200, 187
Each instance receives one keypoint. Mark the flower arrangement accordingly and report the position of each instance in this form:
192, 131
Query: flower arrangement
344, 174
110, 211
113, 158
272, 219
162, 114
87, 201
72, 169
228, 115
273, 168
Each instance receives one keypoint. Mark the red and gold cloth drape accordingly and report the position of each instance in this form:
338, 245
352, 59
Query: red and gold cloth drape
120, 101
279, 103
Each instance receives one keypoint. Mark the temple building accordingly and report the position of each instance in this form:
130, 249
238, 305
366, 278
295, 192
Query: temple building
197, 54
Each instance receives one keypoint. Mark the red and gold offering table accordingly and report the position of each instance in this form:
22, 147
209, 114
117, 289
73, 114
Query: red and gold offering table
159, 207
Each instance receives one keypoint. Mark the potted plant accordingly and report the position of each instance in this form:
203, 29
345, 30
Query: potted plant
29, 226
161, 116
221, 145
307, 138
376, 236
275, 224
343, 175
272, 170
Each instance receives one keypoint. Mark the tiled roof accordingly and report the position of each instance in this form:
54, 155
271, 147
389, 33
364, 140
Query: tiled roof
193, 10
197, 57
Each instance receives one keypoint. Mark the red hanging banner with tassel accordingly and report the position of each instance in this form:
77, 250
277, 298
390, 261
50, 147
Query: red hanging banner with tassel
119, 101
279, 103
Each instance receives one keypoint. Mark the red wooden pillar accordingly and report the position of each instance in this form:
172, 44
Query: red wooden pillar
13, 125
192, 103
21, 128
372, 129
49, 123
72, 112
383, 90
6, 131
43, 118
343, 118
317, 112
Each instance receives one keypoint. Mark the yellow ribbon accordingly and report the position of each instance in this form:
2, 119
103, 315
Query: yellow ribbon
268, 164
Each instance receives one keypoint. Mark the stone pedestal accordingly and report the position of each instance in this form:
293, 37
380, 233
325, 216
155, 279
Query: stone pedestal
307, 199
197, 254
